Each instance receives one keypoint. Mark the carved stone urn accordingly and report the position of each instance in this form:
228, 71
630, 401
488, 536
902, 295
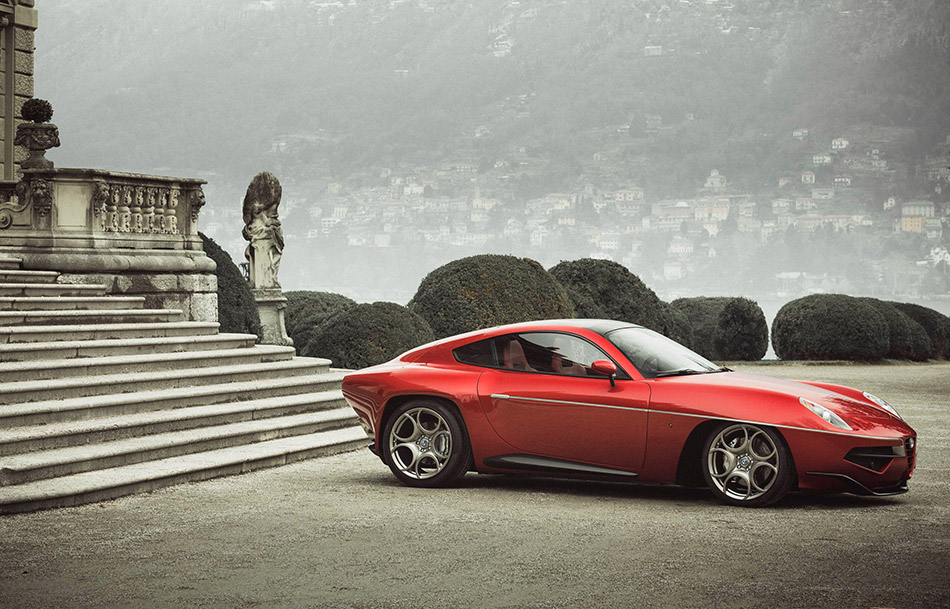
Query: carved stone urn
37, 136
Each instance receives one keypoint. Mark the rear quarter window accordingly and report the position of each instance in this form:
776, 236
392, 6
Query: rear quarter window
481, 353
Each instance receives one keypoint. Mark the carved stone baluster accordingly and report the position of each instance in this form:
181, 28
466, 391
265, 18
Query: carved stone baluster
138, 202
161, 204
112, 209
171, 212
148, 211
125, 210
100, 199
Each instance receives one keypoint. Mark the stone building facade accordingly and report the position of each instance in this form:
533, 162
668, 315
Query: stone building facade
18, 21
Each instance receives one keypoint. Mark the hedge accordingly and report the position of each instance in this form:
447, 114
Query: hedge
726, 328
488, 290
237, 310
934, 323
369, 334
682, 330
703, 315
606, 289
900, 331
741, 331
830, 326
306, 311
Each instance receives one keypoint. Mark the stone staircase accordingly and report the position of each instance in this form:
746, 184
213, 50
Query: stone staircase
100, 397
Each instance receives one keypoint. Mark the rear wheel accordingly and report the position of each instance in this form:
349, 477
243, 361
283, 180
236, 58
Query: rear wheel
746, 464
426, 444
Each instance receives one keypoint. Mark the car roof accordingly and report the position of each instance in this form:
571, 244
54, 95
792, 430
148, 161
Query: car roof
598, 326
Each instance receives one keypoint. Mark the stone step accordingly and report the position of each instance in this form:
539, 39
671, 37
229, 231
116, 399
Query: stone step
10, 263
92, 367
10, 318
83, 332
70, 303
18, 276
51, 289
68, 349
75, 409
32, 438
100, 485
20, 469
19, 392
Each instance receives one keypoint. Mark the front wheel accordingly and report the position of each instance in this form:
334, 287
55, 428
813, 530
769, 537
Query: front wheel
426, 444
748, 465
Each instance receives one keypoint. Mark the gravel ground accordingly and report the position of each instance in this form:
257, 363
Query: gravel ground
340, 532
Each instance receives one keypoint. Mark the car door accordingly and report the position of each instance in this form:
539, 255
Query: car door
543, 399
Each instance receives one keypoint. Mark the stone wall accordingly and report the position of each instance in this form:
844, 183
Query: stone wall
18, 21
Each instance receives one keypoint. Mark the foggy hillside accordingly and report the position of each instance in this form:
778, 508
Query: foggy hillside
602, 92
208, 85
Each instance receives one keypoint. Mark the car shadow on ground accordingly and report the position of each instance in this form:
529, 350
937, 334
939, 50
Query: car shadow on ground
528, 485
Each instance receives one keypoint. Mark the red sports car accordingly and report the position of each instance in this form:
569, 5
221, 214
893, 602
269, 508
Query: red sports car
613, 400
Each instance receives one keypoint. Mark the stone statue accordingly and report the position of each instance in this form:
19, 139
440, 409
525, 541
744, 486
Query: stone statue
262, 230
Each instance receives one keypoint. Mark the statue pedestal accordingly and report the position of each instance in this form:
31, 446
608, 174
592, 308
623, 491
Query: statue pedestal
270, 306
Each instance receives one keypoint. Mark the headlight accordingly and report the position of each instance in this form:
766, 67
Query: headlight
882, 404
825, 414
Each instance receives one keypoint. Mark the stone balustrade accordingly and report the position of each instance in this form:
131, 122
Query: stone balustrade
136, 233
104, 207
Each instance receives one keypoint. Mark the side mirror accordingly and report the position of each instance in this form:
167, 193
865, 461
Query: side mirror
605, 367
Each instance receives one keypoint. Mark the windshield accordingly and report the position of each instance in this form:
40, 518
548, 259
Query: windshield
654, 355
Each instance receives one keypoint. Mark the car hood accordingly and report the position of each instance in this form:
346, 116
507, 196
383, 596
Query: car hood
772, 400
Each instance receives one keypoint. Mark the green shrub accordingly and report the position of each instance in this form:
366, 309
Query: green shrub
682, 330
900, 334
488, 290
605, 289
369, 334
703, 315
923, 346
830, 326
741, 331
306, 311
237, 310
934, 323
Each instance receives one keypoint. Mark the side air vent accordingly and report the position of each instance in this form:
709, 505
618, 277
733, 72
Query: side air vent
874, 458
910, 447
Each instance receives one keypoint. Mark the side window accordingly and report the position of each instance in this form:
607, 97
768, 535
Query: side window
481, 353
550, 352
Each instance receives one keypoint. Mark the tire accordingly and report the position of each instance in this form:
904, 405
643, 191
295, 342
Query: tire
748, 465
425, 444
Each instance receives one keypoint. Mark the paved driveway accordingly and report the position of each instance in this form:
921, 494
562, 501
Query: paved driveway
340, 532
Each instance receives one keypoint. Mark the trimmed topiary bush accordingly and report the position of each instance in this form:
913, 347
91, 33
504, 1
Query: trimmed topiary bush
934, 323
703, 314
306, 311
830, 326
488, 290
237, 310
900, 334
369, 334
741, 331
681, 331
923, 346
605, 289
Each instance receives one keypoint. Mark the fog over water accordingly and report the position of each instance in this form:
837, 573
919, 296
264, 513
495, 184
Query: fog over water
764, 148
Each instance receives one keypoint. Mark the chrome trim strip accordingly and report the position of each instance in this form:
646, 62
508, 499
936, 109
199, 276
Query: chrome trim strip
518, 397
501, 396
